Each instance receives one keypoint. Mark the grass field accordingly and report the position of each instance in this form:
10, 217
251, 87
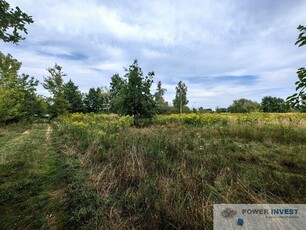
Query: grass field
38, 185
169, 174
30, 179
106, 174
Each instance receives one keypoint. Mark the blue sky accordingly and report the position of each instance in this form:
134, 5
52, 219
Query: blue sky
223, 50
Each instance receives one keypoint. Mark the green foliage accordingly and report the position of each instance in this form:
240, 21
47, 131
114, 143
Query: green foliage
302, 37
160, 92
273, 105
31, 102
54, 83
30, 172
116, 86
132, 94
96, 100
41, 106
12, 22
74, 97
244, 106
221, 110
9, 106
180, 99
162, 106
18, 97
298, 100
10, 90
202, 110
186, 109
40, 186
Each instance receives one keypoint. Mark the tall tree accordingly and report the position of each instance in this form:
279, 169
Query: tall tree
74, 97
180, 99
115, 88
97, 100
30, 104
135, 98
18, 97
298, 100
273, 105
162, 105
55, 85
160, 92
12, 23
11, 94
41, 106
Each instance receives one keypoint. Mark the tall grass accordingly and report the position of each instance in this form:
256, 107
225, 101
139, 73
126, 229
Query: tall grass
170, 174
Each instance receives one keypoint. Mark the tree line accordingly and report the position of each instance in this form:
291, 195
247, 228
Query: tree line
127, 95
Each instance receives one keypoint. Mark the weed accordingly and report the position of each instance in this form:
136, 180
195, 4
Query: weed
170, 175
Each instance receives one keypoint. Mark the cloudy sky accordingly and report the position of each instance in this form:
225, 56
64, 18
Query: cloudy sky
223, 50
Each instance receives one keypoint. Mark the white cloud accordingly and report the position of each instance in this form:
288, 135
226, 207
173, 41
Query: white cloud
179, 40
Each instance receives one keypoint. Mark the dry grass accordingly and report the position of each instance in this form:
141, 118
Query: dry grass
169, 176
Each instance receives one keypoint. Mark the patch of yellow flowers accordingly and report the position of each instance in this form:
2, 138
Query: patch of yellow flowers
238, 118
112, 123
102, 123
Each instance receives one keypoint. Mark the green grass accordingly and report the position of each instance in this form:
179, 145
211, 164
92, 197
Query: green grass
169, 177
30, 180
38, 184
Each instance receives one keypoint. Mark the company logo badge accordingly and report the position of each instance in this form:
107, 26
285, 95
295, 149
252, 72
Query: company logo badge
228, 213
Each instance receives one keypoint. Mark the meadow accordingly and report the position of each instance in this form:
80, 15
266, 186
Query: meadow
169, 173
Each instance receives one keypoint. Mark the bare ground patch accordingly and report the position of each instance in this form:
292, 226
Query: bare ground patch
49, 130
27, 132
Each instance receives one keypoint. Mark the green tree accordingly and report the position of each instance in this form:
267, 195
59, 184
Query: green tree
161, 104
244, 106
273, 105
116, 86
221, 110
18, 97
97, 100
135, 98
41, 107
30, 103
55, 85
180, 99
186, 109
11, 94
12, 23
298, 100
74, 97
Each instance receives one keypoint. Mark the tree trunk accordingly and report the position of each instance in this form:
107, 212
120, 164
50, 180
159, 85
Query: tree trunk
181, 107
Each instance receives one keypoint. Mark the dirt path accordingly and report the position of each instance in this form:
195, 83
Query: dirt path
27, 132
48, 132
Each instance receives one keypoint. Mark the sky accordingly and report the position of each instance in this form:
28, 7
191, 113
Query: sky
222, 50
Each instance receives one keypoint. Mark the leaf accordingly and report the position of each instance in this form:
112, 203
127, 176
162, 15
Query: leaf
300, 85
294, 95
